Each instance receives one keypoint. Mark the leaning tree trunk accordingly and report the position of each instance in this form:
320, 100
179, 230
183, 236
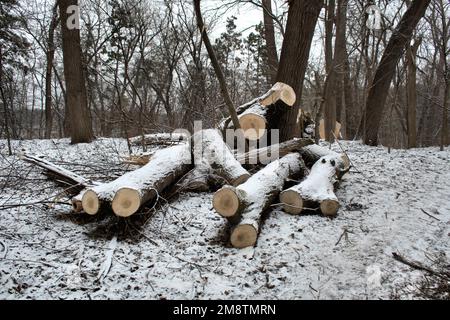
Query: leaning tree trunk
78, 111
301, 22
251, 199
385, 72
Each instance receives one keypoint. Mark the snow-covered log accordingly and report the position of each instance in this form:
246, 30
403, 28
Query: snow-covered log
159, 139
273, 152
246, 203
253, 116
212, 154
130, 191
316, 190
312, 153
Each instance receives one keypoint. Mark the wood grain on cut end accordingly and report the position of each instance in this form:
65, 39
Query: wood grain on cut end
226, 202
253, 126
329, 207
90, 202
243, 236
292, 201
126, 202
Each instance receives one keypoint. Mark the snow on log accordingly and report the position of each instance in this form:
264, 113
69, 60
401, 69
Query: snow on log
246, 203
312, 153
212, 154
273, 152
159, 139
130, 191
315, 191
253, 115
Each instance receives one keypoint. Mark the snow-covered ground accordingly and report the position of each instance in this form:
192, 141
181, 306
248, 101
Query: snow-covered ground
181, 249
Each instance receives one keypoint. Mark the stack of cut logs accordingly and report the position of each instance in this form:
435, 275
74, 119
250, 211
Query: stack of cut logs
206, 161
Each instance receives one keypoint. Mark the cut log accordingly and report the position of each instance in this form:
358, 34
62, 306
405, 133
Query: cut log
200, 179
315, 191
159, 139
312, 153
253, 116
244, 205
273, 152
253, 122
130, 191
210, 151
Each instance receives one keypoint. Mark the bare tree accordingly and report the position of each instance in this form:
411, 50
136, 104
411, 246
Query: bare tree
78, 113
302, 19
380, 86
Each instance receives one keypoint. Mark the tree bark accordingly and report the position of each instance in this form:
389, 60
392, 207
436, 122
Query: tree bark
411, 54
48, 73
78, 112
301, 22
269, 34
385, 72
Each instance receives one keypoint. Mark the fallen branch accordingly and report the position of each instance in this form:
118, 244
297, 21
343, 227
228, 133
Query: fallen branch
420, 266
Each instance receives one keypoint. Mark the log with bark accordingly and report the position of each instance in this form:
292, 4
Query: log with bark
317, 190
159, 139
254, 116
245, 204
130, 191
273, 152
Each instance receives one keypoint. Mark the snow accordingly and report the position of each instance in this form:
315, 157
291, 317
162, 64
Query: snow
318, 185
181, 250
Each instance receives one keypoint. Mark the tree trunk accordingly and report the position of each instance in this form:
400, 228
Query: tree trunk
445, 139
411, 54
329, 23
78, 112
269, 34
301, 23
5, 105
385, 72
49, 72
